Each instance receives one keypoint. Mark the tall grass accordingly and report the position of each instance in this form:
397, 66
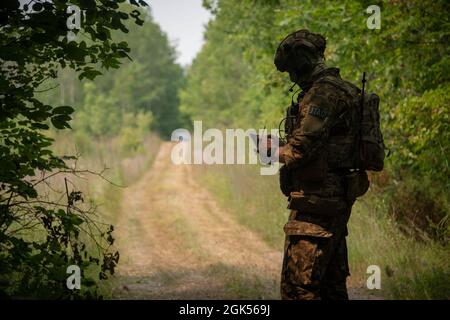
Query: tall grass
410, 268
254, 200
119, 168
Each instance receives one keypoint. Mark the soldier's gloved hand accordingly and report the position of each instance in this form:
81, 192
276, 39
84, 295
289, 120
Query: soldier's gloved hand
269, 148
264, 145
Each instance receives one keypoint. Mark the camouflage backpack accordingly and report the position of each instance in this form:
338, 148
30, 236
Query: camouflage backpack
368, 146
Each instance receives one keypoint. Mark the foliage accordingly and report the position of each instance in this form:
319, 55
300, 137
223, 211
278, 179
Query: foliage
33, 48
99, 116
134, 130
422, 124
148, 83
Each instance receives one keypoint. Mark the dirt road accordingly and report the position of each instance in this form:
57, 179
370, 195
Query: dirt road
177, 243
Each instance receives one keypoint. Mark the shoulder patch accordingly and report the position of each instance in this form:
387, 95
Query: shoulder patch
318, 112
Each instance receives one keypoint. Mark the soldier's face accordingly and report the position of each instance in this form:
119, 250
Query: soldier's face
293, 76
300, 72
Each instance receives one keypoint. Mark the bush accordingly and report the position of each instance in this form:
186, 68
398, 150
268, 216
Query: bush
135, 128
418, 184
421, 126
420, 207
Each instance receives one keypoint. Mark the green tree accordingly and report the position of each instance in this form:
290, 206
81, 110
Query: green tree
99, 115
148, 82
33, 48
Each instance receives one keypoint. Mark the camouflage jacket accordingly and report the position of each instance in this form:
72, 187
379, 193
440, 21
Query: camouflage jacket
321, 136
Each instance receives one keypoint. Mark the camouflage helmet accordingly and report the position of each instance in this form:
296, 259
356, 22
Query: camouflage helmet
297, 48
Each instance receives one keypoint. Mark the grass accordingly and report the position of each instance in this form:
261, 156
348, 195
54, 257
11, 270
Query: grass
410, 268
120, 168
242, 283
254, 200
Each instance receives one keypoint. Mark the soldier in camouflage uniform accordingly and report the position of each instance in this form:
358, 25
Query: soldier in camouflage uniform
318, 155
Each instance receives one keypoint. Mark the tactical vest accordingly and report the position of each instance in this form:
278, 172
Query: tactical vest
355, 140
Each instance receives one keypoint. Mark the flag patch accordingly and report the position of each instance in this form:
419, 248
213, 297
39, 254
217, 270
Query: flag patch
318, 112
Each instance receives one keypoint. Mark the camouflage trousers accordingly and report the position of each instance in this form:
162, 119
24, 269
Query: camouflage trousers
315, 263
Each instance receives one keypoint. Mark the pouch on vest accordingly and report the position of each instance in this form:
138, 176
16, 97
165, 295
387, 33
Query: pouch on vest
314, 171
315, 204
286, 184
357, 184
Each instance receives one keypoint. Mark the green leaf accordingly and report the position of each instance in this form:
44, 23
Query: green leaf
63, 110
41, 126
76, 220
90, 74
61, 121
